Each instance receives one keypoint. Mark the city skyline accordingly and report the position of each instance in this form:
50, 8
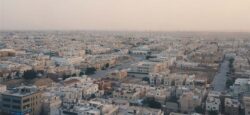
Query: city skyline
124, 57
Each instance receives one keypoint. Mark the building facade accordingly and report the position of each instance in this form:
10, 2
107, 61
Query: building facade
21, 101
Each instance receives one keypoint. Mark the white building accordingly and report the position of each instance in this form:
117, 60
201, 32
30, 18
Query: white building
89, 108
143, 50
241, 85
212, 104
139, 111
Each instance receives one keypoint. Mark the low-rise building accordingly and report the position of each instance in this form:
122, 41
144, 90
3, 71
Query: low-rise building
51, 104
147, 67
130, 92
212, 104
188, 101
156, 79
246, 103
89, 108
241, 85
232, 106
118, 74
160, 94
131, 110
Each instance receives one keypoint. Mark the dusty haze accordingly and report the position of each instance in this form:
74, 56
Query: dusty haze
157, 15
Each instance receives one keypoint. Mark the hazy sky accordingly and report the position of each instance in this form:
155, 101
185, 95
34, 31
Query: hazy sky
164, 15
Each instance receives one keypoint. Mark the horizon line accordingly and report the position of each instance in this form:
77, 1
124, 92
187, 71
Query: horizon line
119, 30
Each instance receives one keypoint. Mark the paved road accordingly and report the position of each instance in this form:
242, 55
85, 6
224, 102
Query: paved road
219, 81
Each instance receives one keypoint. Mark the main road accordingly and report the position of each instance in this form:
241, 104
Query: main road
219, 81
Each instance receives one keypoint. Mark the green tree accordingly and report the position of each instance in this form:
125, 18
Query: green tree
65, 76
149, 56
17, 73
150, 102
213, 112
81, 73
199, 109
93, 96
107, 65
90, 71
73, 75
229, 83
231, 61
145, 79
29, 74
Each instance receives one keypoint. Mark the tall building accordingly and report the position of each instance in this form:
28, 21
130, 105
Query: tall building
23, 100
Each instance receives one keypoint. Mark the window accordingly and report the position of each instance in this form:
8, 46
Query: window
16, 101
16, 107
6, 105
26, 106
6, 99
26, 100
